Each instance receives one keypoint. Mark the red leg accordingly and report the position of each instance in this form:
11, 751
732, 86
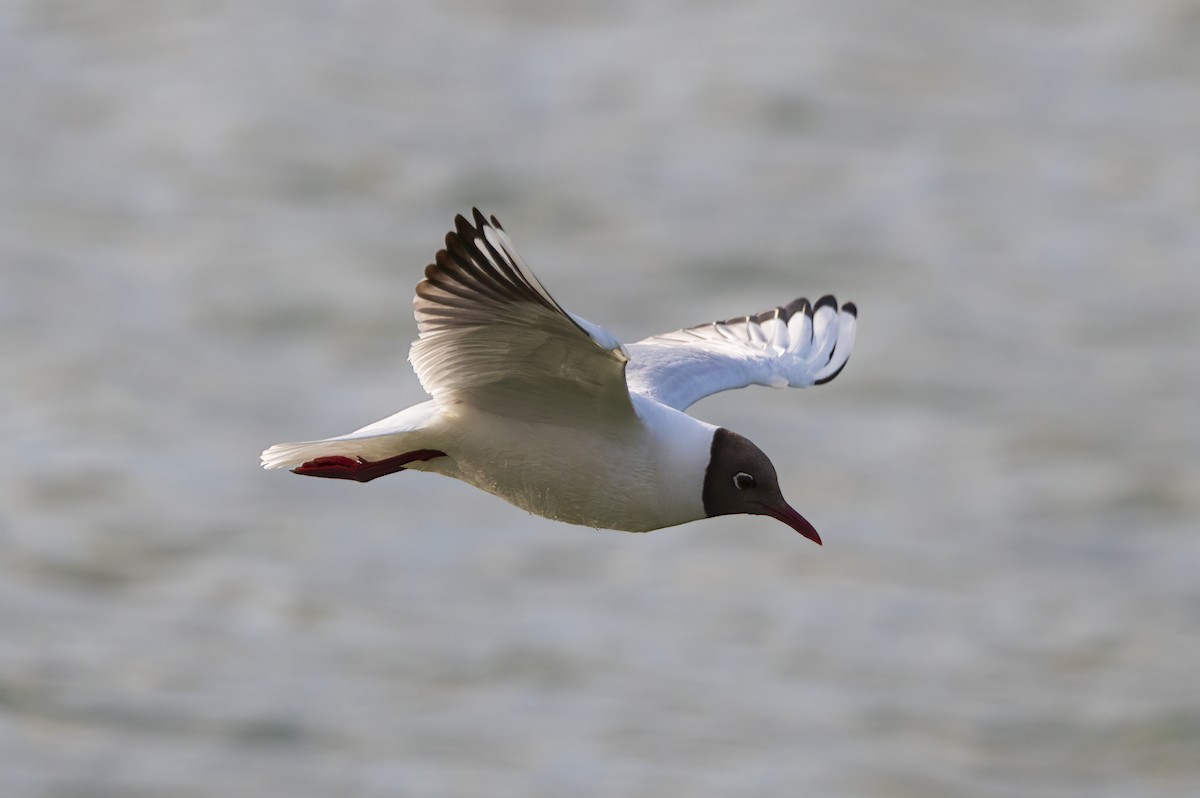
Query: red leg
360, 470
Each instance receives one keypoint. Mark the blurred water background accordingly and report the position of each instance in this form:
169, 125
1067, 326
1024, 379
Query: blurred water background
212, 215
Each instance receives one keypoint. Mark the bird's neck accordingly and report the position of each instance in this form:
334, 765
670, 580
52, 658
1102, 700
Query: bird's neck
682, 446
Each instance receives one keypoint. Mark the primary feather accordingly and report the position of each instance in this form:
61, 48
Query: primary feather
795, 345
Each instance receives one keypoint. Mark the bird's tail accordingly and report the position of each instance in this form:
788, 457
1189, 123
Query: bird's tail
382, 440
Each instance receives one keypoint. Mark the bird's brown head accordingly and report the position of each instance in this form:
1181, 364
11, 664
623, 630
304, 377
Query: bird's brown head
741, 479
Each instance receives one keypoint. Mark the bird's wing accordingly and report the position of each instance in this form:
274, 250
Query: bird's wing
493, 337
795, 345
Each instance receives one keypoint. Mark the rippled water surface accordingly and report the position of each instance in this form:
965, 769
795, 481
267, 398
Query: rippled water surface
212, 216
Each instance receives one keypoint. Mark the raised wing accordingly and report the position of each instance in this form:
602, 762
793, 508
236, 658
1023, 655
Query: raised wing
794, 345
493, 337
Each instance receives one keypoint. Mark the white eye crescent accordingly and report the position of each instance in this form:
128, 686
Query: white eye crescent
742, 480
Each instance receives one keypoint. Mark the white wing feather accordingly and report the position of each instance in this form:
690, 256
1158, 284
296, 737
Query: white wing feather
796, 345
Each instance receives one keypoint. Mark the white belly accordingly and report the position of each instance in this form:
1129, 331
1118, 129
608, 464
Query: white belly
629, 476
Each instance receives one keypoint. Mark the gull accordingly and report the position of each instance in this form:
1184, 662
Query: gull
553, 414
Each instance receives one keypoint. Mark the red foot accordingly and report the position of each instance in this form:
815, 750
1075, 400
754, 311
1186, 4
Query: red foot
360, 470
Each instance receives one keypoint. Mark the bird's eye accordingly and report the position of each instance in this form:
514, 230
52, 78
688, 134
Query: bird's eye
743, 480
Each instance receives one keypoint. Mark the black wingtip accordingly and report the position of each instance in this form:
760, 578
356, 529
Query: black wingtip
826, 301
480, 220
466, 231
798, 305
768, 314
824, 380
850, 308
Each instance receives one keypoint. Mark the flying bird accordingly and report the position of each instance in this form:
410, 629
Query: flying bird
551, 413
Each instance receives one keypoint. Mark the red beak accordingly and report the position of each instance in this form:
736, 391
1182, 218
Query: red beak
796, 521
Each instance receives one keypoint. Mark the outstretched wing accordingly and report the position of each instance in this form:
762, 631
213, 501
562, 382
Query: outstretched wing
794, 345
493, 337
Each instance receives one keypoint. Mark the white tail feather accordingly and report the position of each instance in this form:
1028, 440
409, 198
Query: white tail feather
290, 455
387, 438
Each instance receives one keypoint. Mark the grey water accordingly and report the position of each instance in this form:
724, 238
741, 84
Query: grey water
212, 216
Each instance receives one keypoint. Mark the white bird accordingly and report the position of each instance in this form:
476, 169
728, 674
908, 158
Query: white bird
554, 415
